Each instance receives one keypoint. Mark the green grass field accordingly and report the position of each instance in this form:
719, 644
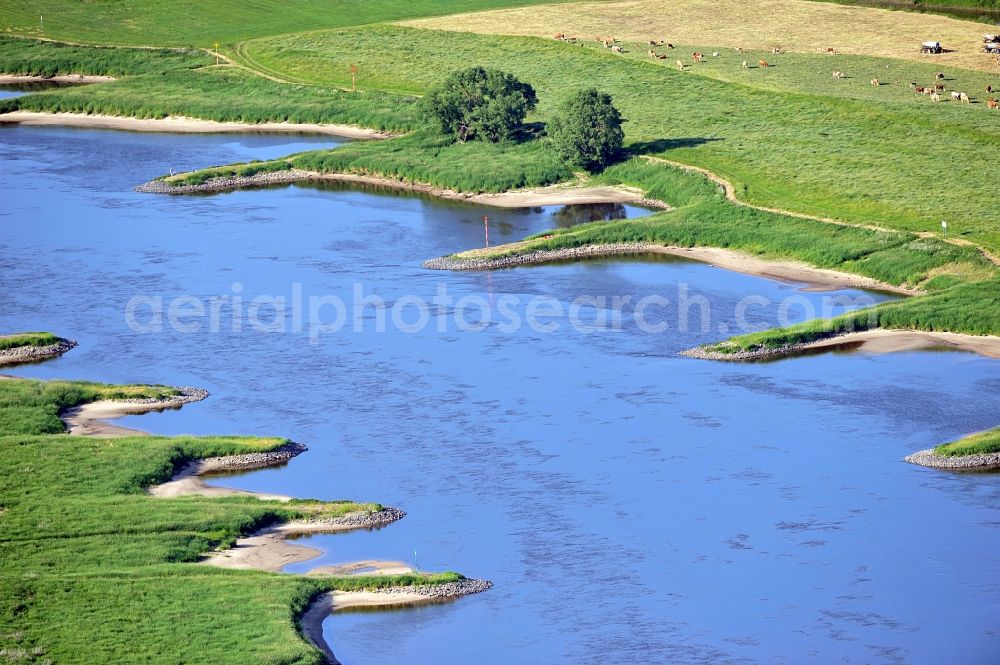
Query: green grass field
191, 23
94, 570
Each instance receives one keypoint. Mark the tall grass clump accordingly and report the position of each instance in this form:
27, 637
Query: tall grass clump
976, 444
28, 339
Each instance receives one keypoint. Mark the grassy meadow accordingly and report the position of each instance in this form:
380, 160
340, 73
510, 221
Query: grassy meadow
191, 23
94, 570
818, 154
800, 26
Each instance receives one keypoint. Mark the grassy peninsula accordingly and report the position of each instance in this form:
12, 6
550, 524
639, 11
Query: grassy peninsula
93, 569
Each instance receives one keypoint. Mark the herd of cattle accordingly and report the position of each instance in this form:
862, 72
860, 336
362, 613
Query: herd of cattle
933, 91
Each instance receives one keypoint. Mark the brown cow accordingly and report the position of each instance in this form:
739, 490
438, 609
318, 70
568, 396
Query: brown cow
697, 56
831, 50
763, 63
992, 103
561, 36
875, 82
919, 89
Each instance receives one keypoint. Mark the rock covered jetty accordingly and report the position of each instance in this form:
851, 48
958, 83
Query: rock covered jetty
160, 186
27, 354
974, 462
540, 256
371, 520
463, 587
185, 395
255, 460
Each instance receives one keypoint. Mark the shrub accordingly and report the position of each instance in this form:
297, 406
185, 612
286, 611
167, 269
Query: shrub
481, 103
588, 130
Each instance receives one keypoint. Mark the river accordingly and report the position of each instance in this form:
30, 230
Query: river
630, 505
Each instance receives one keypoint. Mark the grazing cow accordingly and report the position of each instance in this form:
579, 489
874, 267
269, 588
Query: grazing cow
561, 36
993, 104
745, 66
939, 76
989, 88
964, 97
662, 56
939, 87
652, 53
697, 56
919, 89
670, 45
652, 42
739, 50
831, 50
715, 54
875, 82
776, 50
616, 49
929, 91
763, 63
956, 96
935, 97
680, 65
838, 74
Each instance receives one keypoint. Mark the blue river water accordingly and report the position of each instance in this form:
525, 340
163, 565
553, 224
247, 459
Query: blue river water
630, 504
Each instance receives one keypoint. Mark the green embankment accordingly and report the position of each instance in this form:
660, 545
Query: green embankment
27, 339
975, 444
94, 570
192, 23
225, 94
22, 57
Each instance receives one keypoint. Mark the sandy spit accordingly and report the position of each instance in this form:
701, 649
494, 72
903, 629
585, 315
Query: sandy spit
786, 271
880, 340
30, 354
89, 419
188, 480
9, 79
522, 198
269, 549
183, 125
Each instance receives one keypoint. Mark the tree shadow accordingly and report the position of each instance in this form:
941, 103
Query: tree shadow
529, 131
663, 145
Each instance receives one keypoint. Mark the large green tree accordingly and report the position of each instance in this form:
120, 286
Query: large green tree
487, 104
587, 132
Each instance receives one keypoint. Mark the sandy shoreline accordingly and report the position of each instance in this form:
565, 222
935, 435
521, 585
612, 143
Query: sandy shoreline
90, 419
268, 549
311, 621
9, 79
524, 198
182, 125
785, 271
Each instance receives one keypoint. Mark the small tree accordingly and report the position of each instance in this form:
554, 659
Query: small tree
481, 103
587, 131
